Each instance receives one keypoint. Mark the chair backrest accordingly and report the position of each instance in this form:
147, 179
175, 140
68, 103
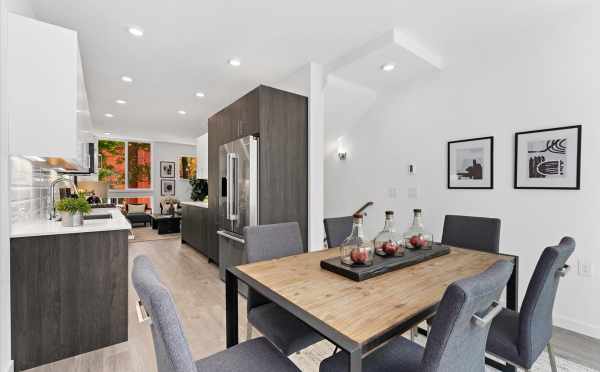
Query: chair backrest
170, 345
478, 233
267, 242
337, 230
457, 341
535, 318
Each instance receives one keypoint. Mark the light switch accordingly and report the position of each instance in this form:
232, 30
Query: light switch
393, 193
413, 193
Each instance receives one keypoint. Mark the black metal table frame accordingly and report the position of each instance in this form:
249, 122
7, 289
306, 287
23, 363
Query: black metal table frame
355, 350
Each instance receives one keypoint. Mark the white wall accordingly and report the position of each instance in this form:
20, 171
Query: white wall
202, 155
165, 151
498, 90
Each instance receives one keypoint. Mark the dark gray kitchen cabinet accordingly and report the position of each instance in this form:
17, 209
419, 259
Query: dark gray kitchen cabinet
68, 295
280, 120
194, 230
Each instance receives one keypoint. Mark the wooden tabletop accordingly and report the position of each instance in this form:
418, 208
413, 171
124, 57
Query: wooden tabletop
365, 310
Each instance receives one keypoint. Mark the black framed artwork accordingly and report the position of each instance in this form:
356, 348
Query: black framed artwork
167, 169
471, 163
548, 158
167, 187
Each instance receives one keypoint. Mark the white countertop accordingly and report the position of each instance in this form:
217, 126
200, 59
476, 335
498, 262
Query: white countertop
195, 204
46, 227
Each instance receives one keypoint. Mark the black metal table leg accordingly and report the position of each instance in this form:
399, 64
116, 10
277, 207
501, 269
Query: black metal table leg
231, 309
355, 361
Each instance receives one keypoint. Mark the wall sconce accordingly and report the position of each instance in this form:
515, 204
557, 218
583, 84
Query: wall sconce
342, 154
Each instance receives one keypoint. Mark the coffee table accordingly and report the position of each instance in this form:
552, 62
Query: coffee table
166, 224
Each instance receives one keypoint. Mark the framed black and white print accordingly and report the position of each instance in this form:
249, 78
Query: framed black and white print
548, 158
167, 169
167, 187
471, 163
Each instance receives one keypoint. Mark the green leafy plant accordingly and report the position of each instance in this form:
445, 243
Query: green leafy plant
74, 205
199, 189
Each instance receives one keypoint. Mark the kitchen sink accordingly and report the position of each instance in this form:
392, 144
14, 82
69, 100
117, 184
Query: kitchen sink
104, 216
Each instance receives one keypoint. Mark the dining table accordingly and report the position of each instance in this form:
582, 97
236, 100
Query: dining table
355, 316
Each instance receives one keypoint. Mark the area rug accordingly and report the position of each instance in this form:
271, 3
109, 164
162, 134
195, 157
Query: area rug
308, 360
145, 234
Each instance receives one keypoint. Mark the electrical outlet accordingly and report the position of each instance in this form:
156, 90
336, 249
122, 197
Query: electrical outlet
584, 268
393, 192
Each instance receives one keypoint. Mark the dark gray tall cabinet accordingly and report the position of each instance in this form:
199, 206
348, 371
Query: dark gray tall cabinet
280, 119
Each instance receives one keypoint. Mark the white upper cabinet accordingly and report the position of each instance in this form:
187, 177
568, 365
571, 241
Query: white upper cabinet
42, 66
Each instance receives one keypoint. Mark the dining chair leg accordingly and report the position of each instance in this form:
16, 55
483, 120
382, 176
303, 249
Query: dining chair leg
335, 351
552, 358
413, 333
248, 331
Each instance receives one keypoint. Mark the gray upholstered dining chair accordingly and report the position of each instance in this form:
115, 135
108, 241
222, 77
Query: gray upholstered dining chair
337, 230
520, 337
170, 344
458, 334
478, 233
288, 333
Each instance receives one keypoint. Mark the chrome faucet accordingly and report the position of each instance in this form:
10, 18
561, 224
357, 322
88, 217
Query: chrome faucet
52, 200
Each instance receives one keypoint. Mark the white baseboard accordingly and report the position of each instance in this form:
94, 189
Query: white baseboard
11, 366
577, 326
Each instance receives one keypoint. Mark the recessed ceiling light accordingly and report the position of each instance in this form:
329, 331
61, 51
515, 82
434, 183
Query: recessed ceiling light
136, 31
235, 62
107, 133
121, 102
199, 94
181, 112
126, 79
388, 67
109, 115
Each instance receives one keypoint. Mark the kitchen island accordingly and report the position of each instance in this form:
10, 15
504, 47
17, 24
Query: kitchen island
68, 288
194, 229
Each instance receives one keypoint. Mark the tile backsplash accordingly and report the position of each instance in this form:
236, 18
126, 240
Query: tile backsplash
29, 190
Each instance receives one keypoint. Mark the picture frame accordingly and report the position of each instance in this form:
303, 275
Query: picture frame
187, 167
167, 187
471, 163
548, 158
167, 169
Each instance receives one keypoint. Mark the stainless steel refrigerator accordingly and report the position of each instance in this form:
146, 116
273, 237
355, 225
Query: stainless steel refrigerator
238, 198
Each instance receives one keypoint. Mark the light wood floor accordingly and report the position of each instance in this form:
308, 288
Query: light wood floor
200, 299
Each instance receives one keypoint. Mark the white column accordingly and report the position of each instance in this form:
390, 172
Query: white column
316, 157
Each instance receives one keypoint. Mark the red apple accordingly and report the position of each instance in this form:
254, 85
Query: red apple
390, 248
359, 255
418, 241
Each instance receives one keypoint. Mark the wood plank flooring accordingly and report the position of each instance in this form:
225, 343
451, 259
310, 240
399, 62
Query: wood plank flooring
200, 299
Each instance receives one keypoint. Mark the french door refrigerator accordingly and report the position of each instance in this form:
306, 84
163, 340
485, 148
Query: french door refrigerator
238, 198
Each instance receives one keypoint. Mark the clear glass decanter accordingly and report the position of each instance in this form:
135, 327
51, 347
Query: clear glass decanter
417, 237
388, 242
356, 250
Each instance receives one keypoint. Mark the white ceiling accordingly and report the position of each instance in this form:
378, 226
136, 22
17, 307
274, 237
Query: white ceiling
187, 44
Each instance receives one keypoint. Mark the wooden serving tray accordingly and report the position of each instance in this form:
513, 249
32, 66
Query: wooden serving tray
382, 265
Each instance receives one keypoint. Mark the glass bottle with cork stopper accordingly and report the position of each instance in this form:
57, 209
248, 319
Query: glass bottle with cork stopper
388, 242
356, 250
416, 237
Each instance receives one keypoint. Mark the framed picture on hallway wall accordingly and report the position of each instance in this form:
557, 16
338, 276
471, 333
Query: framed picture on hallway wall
167, 187
167, 169
548, 158
471, 163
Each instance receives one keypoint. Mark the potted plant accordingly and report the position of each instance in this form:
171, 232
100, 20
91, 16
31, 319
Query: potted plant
72, 210
199, 189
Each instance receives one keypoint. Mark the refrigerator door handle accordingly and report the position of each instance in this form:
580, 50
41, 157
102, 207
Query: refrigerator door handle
231, 237
232, 187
